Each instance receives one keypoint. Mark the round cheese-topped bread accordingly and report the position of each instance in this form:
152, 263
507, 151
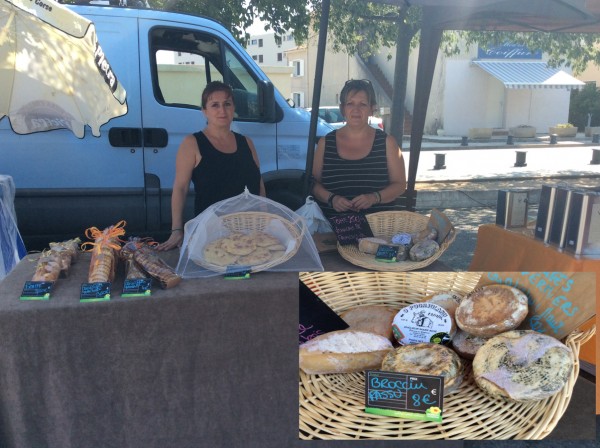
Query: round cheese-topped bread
466, 345
491, 310
343, 351
522, 365
427, 359
371, 318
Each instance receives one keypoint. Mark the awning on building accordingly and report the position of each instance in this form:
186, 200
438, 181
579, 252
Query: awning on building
529, 75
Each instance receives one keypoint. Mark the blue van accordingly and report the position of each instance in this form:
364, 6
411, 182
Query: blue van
65, 184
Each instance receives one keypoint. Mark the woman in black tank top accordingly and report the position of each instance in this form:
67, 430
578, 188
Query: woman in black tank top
358, 168
220, 163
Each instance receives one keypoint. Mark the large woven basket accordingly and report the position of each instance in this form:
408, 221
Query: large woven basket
385, 225
247, 222
332, 406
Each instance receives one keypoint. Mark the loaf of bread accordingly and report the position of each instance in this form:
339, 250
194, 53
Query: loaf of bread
371, 318
492, 310
427, 359
522, 365
467, 345
343, 351
446, 299
369, 245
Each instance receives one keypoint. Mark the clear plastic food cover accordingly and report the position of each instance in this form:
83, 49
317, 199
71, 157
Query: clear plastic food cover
317, 223
246, 233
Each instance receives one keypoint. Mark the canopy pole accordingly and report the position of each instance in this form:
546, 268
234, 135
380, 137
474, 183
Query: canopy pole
431, 37
316, 99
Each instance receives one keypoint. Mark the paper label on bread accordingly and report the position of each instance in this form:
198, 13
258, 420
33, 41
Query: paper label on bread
423, 322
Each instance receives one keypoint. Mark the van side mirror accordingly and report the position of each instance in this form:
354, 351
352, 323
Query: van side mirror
266, 101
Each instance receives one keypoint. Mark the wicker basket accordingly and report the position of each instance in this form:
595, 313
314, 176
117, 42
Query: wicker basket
385, 225
332, 406
247, 222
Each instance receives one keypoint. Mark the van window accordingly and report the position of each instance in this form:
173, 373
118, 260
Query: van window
185, 61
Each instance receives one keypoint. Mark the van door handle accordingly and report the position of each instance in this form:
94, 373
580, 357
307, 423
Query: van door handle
125, 137
156, 137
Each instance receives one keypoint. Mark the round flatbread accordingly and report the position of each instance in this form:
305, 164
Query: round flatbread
239, 244
276, 247
263, 239
259, 255
214, 254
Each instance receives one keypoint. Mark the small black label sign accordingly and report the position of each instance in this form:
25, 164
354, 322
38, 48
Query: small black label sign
405, 395
315, 316
36, 290
95, 292
137, 287
386, 253
235, 272
350, 227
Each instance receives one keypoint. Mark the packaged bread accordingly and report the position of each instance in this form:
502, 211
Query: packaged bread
371, 318
104, 248
369, 245
343, 351
491, 310
48, 267
522, 365
427, 359
159, 269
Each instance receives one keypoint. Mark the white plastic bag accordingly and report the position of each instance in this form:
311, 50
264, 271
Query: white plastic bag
315, 219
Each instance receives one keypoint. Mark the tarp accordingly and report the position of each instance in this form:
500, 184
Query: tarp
529, 75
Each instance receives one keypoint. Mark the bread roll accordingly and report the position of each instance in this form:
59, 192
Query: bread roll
343, 351
370, 245
371, 318
522, 365
492, 310
427, 359
446, 299
467, 345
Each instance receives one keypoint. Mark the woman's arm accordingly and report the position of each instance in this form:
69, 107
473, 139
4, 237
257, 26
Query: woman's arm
255, 157
188, 157
339, 203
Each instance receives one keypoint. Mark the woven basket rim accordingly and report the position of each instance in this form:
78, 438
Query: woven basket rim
351, 253
332, 406
297, 233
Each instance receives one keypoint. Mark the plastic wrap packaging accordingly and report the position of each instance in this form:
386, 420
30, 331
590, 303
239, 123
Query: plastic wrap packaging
140, 254
246, 233
103, 264
132, 267
48, 267
12, 248
315, 219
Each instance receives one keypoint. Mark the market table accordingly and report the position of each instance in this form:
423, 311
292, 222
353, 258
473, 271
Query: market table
211, 362
500, 249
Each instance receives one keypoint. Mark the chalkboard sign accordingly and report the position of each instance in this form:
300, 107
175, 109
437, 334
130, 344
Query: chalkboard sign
404, 395
36, 290
94, 292
237, 272
137, 287
350, 227
386, 253
315, 316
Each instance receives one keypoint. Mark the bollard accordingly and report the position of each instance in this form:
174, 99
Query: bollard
596, 138
465, 141
553, 139
509, 140
595, 157
440, 161
521, 155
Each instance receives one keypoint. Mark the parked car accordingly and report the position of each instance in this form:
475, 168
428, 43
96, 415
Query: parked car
335, 119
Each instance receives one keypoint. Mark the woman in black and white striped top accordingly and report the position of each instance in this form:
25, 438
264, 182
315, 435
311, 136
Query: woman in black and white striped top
358, 168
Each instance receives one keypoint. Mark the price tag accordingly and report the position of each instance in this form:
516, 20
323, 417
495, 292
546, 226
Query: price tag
36, 290
95, 292
387, 254
404, 395
350, 227
235, 272
137, 287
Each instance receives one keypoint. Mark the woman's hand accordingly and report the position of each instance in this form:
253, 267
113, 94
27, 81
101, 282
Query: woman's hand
174, 241
341, 204
364, 201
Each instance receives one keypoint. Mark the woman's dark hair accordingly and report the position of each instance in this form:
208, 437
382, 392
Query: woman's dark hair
358, 85
215, 86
